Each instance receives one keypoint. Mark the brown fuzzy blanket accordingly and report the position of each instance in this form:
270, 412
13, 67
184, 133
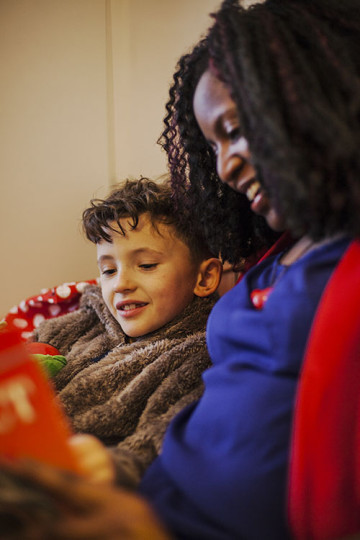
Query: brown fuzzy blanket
127, 393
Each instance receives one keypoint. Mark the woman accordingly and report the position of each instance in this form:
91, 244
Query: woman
267, 105
263, 116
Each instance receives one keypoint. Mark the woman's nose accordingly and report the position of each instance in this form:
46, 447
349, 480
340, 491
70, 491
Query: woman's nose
228, 164
231, 159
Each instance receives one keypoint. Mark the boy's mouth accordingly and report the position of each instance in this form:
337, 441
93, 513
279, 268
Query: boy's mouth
129, 306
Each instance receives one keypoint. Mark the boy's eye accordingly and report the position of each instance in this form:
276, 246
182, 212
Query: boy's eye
108, 271
147, 266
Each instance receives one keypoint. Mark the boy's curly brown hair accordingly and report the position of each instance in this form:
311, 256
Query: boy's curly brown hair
133, 198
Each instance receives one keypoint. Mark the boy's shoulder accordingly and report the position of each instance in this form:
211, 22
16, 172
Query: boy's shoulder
65, 330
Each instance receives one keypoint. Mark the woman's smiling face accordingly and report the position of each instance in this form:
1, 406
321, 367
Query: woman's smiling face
218, 119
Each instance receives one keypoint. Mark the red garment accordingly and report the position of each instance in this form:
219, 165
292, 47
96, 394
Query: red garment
48, 304
324, 492
283, 242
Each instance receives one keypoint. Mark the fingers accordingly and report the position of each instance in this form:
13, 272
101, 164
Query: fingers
94, 459
84, 510
58, 484
113, 520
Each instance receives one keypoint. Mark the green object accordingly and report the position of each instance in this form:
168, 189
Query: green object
51, 363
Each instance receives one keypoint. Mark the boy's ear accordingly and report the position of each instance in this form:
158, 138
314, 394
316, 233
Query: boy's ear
209, 276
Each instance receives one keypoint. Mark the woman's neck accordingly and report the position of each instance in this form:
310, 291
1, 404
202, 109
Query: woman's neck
303, 246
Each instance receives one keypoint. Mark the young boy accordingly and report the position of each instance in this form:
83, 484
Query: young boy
136, 347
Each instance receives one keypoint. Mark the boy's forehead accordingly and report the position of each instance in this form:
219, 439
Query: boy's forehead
146, 225
148, 234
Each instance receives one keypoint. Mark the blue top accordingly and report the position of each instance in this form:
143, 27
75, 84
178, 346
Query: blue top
222, 473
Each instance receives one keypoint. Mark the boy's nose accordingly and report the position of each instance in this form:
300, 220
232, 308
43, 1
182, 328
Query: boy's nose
124, 282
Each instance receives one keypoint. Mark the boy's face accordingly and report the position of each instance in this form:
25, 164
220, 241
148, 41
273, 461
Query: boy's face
147, 278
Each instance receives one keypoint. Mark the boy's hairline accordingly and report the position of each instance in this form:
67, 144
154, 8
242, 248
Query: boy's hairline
155, 220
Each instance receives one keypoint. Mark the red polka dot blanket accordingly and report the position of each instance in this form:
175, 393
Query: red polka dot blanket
49, 303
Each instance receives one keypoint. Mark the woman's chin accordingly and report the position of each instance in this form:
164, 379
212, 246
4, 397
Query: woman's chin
275, 221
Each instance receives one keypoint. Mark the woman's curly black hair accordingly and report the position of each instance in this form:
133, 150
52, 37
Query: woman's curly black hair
293, 70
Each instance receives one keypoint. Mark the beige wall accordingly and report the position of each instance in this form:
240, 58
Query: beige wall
145, 53
82, 91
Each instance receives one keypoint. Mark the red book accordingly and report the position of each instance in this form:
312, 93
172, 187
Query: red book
32, 423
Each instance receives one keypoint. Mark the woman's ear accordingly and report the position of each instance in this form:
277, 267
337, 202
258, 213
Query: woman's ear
209, 276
